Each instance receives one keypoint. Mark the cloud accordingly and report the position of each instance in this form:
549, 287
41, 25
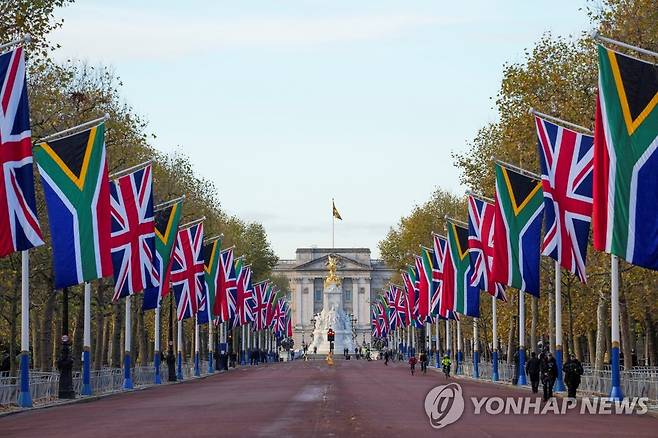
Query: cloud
119, 34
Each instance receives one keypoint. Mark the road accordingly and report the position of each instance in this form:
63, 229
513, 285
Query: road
353, 398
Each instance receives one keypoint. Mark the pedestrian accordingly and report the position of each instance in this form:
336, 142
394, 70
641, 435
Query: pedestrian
532, 370
315, 350
412, 364
423, 362
386, 358
573, 369
548, 369
356, 353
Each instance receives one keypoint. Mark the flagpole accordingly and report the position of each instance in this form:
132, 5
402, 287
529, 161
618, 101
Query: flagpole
24, 396
448, 337
521, 368
242, 343
559, 383
476, 348
127, 380
211, 345
166, 204
86, 348
197, 371
458, 369
156, 353
179, 351
333, 224
437, 344
615, 392
79, 127
560, 121
494, 355
24, 39
597, 37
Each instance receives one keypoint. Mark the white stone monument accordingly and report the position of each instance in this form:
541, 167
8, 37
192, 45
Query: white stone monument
332, 316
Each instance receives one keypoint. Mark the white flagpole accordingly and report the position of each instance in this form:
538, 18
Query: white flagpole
211, 346
448, 337
24, 396
86, 348
458, 369
476, 352
127, 380
437, 343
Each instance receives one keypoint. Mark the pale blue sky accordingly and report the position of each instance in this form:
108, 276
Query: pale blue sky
288, 103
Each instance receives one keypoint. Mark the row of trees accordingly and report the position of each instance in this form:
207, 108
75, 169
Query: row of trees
64, 95
558, 76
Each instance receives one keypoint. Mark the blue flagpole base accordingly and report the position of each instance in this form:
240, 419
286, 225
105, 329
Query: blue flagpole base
559, 382
494, 366
615, 392
243, 360
179, 366
211, 368
24, 396
127, 379
156, 364
522, 378
197, 371
476, 363
86, 372
460, 358
438, 360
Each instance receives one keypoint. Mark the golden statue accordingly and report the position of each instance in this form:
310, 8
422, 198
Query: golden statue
332, 278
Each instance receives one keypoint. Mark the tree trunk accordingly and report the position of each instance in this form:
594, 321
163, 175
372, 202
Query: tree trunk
13, 332
57, 320
600, 332
99, 344
650, 334
534, 310
551, 320
78, 335
46, 350
106, 342
116, 336
591, 346
626, 346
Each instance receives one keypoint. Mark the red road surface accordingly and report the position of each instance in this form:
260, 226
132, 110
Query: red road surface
353, 398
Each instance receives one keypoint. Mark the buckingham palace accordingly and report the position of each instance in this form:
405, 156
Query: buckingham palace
362, 280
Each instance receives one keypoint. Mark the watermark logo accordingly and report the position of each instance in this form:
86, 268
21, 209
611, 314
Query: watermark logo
444, 405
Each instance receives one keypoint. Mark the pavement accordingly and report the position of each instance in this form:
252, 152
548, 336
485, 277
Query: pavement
307, 399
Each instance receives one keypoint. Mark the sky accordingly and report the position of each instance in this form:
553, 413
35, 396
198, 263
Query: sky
286, 104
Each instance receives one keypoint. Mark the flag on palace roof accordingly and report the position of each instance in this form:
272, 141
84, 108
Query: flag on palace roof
334, 211
18, 212
517, 233
480, 246
166, 229
625, 194
187, 273
73, 171
133, 233
566, 159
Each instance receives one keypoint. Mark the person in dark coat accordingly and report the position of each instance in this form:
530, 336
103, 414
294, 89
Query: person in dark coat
532, 370
548, 370
573, 369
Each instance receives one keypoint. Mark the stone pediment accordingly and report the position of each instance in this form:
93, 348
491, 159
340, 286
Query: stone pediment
344, 264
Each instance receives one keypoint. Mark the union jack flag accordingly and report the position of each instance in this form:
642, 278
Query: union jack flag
245, 298
566, 159
18, 213
260, 304
225, 302
480, 246
133, 233
271, 304
280, 316
398, 308
187, 276
440, 245
277, 313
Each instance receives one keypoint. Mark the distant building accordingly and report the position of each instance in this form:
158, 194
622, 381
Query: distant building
362, 280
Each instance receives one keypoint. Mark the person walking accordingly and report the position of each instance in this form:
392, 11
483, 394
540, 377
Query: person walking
386, 358
532, 370
412, 364
548, 370
573, 369
423, 362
